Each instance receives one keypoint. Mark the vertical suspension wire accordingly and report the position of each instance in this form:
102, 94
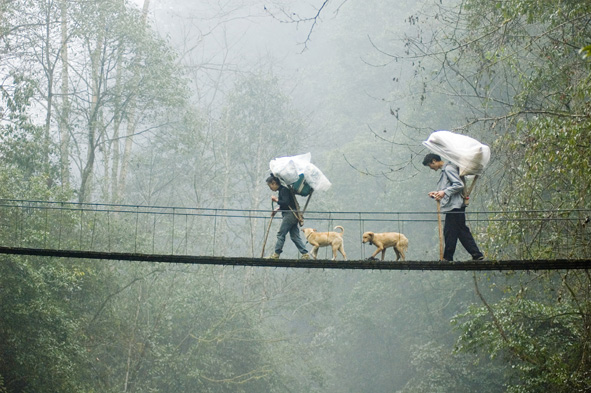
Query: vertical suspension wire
215, 223
23, 225
46, 228
400, 230
186, 234
17, 226
569, 233
538, 236
13, 226
137, 217
59, 238
80, 237
329, 227
93, 228
564, 248
252, 232
361, 250
172, 240
108, 231
586, 240
154, 235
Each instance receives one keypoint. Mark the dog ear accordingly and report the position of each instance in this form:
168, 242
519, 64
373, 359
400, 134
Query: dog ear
370, 235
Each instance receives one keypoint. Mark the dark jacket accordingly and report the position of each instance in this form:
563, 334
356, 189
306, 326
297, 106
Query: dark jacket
285, 199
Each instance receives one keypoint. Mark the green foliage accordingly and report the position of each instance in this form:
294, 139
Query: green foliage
23, 143
42, 346
437, 369
544, 339
175, 335
546, 172
396, 325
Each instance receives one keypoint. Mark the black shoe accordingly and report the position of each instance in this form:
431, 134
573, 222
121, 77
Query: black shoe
478, 257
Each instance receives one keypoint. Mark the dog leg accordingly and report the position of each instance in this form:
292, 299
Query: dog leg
376, 252
342, 250
335, 247
315, 251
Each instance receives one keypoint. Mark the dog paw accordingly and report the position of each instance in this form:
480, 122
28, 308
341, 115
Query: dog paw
372, 259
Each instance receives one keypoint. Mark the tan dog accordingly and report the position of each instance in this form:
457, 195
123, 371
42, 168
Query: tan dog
323, 239
387, 239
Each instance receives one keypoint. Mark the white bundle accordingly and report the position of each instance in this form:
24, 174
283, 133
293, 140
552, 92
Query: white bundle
290, 168
467, 153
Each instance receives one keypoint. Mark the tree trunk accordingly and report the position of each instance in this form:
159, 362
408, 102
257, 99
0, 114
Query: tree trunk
85, 183
65, 115
49, 68
130, 129
126, 151
114, 143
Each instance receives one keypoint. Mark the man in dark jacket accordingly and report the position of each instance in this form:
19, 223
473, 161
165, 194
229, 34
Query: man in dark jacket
289, 223
449, 193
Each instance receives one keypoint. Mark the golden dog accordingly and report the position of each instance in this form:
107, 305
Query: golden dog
323, 239
387, 239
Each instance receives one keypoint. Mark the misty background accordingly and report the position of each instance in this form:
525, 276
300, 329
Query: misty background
112, 105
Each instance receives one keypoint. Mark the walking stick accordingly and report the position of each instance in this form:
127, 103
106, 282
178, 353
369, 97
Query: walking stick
268, 228
440, 230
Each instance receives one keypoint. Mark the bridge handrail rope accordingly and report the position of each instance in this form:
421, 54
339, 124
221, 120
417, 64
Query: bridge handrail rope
215, 212
27, 203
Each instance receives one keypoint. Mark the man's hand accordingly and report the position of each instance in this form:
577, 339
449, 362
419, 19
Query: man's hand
274, 198
437, 195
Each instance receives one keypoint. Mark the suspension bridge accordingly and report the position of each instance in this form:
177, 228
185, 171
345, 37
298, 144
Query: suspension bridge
234, 237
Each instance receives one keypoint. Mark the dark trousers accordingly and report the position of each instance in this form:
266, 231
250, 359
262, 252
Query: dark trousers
455, 228
289, 224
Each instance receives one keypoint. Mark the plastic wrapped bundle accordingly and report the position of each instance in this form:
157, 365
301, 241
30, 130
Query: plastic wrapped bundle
467, 153
300, 173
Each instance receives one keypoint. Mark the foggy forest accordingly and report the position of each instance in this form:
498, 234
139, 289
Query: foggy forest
148, 127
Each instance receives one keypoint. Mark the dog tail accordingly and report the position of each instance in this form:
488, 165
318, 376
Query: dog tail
341, 228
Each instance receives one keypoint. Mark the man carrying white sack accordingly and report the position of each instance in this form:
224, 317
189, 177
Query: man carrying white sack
449, 193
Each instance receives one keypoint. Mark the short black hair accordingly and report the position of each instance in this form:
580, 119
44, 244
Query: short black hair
273, 179
430, 157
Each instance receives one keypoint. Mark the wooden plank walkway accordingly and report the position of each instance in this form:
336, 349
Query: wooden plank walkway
504, 265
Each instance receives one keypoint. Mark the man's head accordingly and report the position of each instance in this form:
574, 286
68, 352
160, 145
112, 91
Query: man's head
433, 161
273, 183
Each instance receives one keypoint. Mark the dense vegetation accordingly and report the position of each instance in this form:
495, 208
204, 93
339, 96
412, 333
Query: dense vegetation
96, 106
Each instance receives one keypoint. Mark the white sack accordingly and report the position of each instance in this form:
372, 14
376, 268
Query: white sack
467, 153
290, 168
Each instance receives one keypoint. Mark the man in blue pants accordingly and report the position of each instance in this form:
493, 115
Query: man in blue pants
449, 193
289, 223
